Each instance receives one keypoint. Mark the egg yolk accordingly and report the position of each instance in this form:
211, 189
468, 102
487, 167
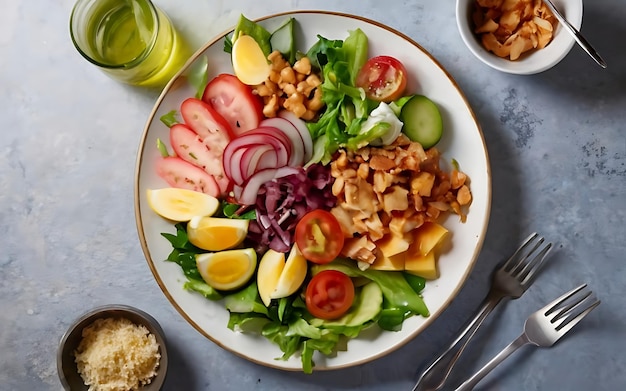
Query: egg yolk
216, 234
227, 268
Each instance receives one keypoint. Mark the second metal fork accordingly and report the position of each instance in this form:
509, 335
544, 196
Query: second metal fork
543, 328
509, 281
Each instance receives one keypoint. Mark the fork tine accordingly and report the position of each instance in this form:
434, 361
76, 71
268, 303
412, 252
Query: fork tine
529, 272
521, 264
556, 303
569, 308
520, 249
572, 321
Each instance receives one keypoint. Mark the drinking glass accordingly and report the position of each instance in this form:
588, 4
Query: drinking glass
132, 41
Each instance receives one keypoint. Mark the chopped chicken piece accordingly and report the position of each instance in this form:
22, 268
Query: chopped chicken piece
396, 199
392, 190
509, 28
360, 249
422, 184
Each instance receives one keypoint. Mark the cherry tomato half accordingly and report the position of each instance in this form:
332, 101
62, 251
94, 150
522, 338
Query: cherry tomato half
383, 78
319, 236
329, 294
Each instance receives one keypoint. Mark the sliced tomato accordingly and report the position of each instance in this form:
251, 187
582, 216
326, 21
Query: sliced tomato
329, 295
188, 145
384, 78
184, 175
319, 236
234, 101
203, 119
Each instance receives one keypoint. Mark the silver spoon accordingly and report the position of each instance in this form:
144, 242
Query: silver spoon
577, 36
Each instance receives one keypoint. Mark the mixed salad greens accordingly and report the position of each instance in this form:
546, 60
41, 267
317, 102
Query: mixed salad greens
385, 298
353, 117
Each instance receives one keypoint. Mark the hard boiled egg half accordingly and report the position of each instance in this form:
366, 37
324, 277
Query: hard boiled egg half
249, 62
227, 270
216, 233
277, 277
181, 204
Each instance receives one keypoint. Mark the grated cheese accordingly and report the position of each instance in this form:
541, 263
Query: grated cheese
116, 354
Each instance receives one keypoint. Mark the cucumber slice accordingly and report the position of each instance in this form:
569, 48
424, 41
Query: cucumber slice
283, 40
368, 306
422, 121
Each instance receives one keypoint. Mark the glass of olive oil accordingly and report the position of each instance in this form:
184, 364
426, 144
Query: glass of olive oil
131, 40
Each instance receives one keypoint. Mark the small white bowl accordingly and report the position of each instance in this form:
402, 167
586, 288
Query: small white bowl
66, 366
533, 61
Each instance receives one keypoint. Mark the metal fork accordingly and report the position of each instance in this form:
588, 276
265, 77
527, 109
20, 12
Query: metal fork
543, 328
510, 280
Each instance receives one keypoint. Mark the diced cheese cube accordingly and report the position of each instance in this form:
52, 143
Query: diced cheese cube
395, 262
392, 244
421, 265
427, 237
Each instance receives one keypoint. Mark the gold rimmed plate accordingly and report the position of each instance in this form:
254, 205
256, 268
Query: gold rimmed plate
462, 141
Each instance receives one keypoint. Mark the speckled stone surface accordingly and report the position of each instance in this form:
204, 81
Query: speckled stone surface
68, 241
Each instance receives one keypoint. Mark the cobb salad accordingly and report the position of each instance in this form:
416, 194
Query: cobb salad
306, 189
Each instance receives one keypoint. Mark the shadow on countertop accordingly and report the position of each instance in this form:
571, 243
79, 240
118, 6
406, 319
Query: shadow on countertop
180, 376
577, 74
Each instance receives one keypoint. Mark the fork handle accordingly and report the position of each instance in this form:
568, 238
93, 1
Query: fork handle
582, 42
434, 377
470, 383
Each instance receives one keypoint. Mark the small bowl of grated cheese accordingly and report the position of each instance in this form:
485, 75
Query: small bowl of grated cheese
113, 348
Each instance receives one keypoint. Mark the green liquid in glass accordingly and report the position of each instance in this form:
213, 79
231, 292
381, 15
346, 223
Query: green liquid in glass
119, 33
131, 40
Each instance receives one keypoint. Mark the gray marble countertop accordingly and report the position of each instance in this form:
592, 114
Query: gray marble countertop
557, 145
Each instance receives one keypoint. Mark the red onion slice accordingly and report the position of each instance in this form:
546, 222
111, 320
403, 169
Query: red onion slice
254, 183
289, 129
300, 125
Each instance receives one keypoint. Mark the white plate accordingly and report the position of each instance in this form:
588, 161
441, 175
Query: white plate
462, 141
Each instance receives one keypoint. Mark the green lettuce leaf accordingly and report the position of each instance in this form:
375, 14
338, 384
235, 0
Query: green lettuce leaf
246, 300
162, 148
198, 76
203, 288
347, 106
184, 254
170, 118
247, 322
256, 31
277, 333
326, 344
